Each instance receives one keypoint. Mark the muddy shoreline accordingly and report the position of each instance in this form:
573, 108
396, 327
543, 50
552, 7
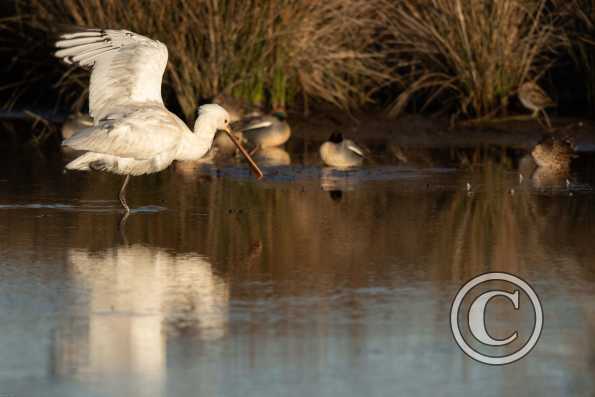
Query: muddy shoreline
424, 131
374, 128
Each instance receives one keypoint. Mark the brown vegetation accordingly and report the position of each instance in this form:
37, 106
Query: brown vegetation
466, 57
259, 51
473, 54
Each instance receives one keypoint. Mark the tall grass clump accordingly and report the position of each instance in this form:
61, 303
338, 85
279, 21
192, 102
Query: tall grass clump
265, 52
470, 54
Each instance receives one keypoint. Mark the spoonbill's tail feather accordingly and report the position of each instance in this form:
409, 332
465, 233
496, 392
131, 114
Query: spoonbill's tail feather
90, 161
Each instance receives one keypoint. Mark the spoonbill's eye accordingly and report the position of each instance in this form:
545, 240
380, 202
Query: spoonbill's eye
225, 121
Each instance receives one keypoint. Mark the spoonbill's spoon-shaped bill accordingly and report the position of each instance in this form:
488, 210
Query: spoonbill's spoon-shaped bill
253, 166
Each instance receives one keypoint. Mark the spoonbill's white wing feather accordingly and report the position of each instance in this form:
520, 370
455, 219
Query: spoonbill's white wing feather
354, 148
141, 134
127, 68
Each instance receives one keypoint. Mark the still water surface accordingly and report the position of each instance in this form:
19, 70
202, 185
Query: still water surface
312, 282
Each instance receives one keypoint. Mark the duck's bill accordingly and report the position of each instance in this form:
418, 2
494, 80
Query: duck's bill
253, 166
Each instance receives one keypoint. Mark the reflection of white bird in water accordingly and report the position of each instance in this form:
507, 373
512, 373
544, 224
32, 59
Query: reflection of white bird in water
137, 298
133, 133
341, 153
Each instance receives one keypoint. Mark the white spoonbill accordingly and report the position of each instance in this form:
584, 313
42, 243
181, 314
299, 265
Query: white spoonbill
133, 133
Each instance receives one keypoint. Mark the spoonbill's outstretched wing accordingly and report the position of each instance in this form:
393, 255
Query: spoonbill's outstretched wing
127, 68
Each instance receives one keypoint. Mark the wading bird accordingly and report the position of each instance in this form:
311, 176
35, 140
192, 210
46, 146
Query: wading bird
534, 98
133, 133
341, 153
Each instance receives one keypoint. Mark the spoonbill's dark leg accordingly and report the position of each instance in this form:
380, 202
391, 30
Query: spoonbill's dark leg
123, 194
122, 227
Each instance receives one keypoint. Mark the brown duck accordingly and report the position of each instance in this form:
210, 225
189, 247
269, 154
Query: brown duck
554, 153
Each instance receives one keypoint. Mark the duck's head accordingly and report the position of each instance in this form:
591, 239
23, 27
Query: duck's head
280, 115
336, 137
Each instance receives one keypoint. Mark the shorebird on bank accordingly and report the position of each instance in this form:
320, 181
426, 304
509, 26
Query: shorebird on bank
534, 98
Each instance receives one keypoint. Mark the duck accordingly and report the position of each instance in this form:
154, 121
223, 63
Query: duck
341, 153
264, 130
534, 98
74, 123
553, 153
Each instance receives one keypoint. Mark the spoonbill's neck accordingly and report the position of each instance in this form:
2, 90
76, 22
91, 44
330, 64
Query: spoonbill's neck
196, 145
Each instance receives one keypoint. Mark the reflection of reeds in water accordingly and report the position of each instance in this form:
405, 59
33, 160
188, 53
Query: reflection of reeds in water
302, 227
138, 297
482, 230
498, 227
221, 218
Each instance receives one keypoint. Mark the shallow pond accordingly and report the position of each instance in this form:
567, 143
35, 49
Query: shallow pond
310, 282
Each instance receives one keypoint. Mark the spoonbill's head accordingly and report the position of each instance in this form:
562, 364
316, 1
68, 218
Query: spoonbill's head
217, 115
219, 118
